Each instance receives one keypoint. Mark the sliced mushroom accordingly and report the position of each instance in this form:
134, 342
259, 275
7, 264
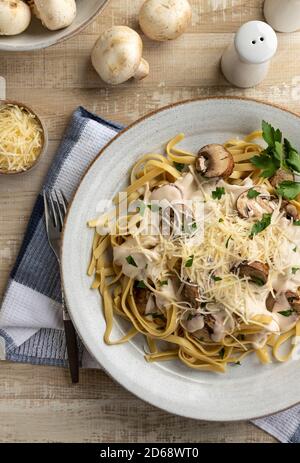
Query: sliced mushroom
292, 297
191, 293
170, 193
141, 297
281, 176
294, 300
254, 208
290, 210
270, 302
214, 161
258, 272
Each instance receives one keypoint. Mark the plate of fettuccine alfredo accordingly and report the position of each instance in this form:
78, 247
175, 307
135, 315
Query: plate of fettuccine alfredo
181, 259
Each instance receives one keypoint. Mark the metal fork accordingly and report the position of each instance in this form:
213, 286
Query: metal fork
55, 212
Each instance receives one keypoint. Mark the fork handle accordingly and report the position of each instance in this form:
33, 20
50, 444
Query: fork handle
72, 349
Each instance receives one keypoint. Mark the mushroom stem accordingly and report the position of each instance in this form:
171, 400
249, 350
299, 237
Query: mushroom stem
143, 70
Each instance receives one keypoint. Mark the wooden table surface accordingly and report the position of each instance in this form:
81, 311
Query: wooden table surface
38, 404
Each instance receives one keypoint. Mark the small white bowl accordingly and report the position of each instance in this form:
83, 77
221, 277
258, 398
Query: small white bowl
37, 36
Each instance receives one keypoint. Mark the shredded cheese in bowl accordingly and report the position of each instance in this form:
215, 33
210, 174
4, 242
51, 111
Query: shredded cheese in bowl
22, 138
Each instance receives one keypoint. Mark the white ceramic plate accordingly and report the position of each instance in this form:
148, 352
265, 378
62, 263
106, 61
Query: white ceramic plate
37, 36
246, 391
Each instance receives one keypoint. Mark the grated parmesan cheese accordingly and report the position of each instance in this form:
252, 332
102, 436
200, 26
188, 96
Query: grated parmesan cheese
21, 139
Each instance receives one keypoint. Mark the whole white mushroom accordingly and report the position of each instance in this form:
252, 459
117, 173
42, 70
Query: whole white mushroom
163, 20
15, 17
117, 56
55, 14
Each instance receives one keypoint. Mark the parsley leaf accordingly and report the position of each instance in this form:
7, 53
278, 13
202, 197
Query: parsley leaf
279, 153
141, 284
131, 261
190, 261
292, 156
258, 227
288, 189
227, 242
216, 278
270, 135
295, 249
153, 207
257, 281
179, 166
295, 270
296, 223
252, 193
163, 283
222, 353
286, 313
141, 208
191, 316
266, 164
218, 193
221, 220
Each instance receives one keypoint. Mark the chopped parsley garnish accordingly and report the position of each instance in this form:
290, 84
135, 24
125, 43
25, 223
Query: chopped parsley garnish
141, 208
257, 281
295, 249
227, 242
222, 353
131, 261
237, 363
258, 227
253, 193
141, 284
296, 223
287, 313
218, 193
179, 166
216, 278
221, 220
163, 283
288, 189
190, 316
189, 262
295, 270
279, 154
153, 207
194, 226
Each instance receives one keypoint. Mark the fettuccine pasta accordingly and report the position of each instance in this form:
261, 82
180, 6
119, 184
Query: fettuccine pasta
219, 284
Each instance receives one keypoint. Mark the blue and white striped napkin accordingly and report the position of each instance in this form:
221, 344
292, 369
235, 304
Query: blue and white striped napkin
31, 327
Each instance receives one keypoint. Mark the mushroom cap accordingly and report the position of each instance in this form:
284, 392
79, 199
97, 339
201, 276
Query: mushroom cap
281, 176
165, 19
258, 272
55, 14
117, 54
214, 161
254, 208
290, 210
15, 17
294, 300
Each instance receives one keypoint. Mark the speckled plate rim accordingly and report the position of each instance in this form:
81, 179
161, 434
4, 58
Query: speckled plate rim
54, 41
104, 358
